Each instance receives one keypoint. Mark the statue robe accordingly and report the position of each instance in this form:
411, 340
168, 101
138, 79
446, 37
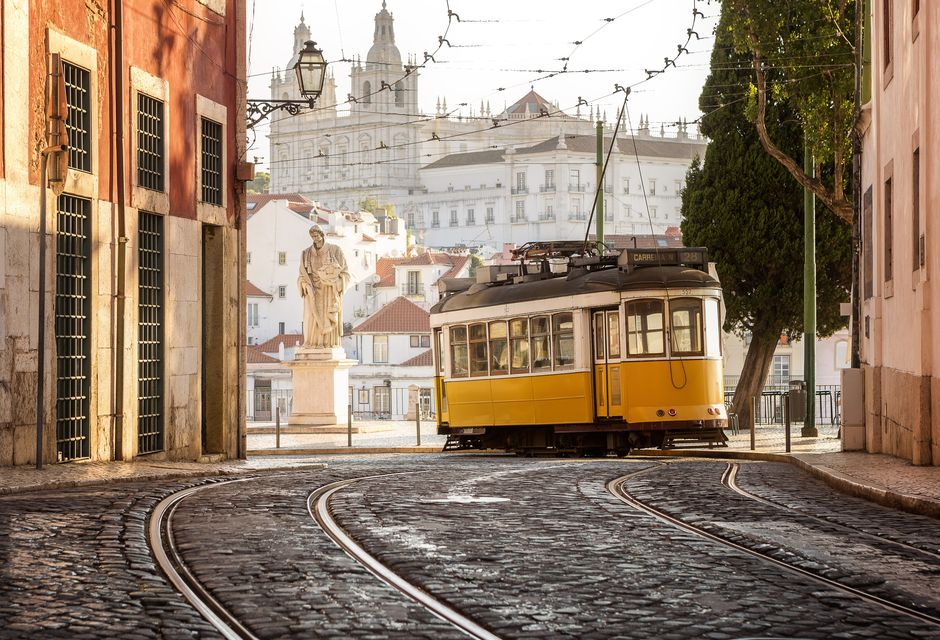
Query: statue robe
322, 293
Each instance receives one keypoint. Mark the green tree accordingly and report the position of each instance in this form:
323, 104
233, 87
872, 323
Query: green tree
261, 183
741, 204
371, 204
802, 51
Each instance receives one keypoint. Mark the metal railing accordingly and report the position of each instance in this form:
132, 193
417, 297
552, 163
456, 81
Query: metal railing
770, 405
546, 188
262, 403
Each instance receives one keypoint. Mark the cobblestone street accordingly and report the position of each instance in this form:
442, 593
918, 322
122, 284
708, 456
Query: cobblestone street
524, 548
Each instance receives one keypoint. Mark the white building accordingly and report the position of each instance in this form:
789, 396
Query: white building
546, 191
375, 143
278, 232
395, 370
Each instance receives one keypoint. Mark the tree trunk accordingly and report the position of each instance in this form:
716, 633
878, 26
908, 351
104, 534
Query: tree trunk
751, 383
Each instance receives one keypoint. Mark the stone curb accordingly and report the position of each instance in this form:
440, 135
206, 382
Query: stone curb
177, 475
835, 479
340, 451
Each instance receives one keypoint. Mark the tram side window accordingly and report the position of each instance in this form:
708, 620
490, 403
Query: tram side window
478, 349
541, 344
644, 327
686, 315
458, 352
499, 349
599, 335
439, 351
712, 328
613, 334
519, 345
563, 340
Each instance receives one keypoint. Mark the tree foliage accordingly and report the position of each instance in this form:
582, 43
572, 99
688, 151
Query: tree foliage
261, 183
371, 204
742, 205
801, 52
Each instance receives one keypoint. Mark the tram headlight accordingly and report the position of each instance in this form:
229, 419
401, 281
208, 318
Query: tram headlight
672, 412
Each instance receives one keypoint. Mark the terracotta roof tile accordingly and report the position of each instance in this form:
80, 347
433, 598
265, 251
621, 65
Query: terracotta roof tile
398, 316
366, 238
274, 344
459, 263
421, 360
256, 356
254, 291
258, 200
385, 270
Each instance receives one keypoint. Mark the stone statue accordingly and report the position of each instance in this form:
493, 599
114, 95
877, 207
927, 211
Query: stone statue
322, 282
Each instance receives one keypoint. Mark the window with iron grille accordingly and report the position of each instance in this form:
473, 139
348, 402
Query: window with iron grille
72, 326
211, 162
150, 420
78, 124
150, 142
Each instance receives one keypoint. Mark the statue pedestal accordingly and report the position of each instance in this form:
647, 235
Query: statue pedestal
321, 388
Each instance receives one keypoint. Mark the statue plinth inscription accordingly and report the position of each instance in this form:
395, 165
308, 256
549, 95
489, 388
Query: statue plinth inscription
320, 368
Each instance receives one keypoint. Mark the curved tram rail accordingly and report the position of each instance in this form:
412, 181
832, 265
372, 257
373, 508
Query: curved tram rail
319, 508
163, 545
617, 489
730, 480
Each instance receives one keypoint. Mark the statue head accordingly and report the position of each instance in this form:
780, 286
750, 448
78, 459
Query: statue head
316, 234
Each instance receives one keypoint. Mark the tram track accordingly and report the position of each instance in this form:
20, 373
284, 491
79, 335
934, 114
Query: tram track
318, 504
165, 552
729, 480
617, 488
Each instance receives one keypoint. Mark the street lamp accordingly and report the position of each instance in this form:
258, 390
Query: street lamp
311, 72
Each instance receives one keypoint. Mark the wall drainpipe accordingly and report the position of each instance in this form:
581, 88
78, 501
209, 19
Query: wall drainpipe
117, 115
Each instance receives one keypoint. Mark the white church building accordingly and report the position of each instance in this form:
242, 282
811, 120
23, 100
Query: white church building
374, 142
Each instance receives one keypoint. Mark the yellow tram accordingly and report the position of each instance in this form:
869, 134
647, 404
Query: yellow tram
576, 353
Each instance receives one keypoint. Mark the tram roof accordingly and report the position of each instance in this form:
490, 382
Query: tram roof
670, 277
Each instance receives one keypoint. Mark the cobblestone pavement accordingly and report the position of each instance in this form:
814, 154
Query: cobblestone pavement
528, 548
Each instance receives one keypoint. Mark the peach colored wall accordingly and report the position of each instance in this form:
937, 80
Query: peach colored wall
904, 339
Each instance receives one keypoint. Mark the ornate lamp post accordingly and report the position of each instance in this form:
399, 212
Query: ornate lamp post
311, 72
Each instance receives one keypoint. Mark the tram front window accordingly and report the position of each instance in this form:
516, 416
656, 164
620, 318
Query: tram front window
645, 328
563, 339
499, 349
478, 350
686, 314
541, 349
519, 345
458, 352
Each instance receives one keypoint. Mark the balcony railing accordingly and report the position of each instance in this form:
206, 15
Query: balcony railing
578, 188
577, 216
547, 188
516, 219
520, 190
546, 217
413, 291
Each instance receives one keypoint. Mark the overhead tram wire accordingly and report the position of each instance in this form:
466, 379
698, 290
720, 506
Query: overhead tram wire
600, 185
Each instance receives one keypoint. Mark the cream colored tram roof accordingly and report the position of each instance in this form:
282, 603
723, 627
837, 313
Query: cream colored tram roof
659, 278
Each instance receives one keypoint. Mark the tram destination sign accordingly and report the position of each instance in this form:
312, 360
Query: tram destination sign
696, 257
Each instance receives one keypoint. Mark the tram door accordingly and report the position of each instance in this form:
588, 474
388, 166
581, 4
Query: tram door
607, 390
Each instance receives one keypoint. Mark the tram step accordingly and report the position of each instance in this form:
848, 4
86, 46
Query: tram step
711, 437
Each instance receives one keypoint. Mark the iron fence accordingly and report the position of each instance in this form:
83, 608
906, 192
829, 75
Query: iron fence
772, 399
368, 403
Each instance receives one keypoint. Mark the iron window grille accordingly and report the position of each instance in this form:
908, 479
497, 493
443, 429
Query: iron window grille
78, 123
150, 387
150, 142
211, 162
73, 327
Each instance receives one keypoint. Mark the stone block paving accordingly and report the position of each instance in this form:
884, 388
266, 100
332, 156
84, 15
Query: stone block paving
543, 550
853, 542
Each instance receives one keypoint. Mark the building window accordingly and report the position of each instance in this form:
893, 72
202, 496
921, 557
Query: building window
150, 148
411, 220
211, 162
678, 184
281, 329
780, 370
415, 341
248, 257
78, 124
490, 215
889, 231
626, 186
150, 333
918, 259
453, 217
282, 291
886, 26
381, 397
435, 219
520, 182
653, 187
549, 179
380, 349
252, 314
520, 211
575, 209
574, 180
282, 257
471, 217
426, 342
414, 283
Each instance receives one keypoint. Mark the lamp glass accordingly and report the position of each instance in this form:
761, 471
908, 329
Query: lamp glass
311, 70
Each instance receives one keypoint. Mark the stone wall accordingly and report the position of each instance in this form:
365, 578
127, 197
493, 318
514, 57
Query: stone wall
898, 410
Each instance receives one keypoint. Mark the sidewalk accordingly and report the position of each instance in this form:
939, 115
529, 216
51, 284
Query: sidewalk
374, 436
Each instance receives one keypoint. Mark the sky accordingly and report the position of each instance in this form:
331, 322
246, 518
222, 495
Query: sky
498, 49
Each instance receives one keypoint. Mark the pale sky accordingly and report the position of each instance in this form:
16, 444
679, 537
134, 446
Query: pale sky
504, 44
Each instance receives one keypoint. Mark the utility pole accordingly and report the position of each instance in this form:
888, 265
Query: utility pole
809, 296
599, 218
